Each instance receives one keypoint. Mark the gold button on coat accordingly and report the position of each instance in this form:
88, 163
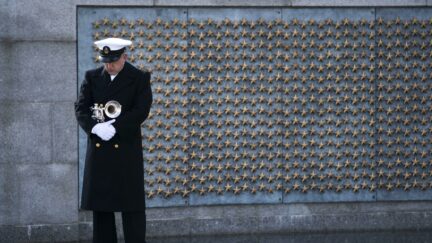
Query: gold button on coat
116, 146
98, 145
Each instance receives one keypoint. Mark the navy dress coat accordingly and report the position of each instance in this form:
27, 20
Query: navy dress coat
114, 170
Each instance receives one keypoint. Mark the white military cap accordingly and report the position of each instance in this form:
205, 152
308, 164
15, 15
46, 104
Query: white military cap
110, 49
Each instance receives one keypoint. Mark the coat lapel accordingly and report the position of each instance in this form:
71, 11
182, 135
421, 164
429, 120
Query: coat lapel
100, 83
104, 79
122, 80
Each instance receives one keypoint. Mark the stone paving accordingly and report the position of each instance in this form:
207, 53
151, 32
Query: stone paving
350, 237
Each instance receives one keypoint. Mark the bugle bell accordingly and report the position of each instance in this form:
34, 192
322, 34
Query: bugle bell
111, 109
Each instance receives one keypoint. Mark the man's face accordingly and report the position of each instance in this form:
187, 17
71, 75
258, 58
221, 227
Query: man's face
114, 68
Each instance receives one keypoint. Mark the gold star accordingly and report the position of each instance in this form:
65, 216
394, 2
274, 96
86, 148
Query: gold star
150, 194
237, 190
211, 188
228, 187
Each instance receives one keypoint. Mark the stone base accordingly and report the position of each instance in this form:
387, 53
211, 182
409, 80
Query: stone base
252, 220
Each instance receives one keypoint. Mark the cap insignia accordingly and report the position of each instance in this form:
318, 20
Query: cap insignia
106, 50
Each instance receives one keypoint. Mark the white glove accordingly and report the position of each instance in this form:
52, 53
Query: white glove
104, 130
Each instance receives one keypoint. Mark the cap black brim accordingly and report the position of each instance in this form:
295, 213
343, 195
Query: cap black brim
107, 59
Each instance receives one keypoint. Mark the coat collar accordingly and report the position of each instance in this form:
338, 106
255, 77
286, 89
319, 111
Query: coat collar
123, 79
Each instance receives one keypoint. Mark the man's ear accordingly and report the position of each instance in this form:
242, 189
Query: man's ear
125, 56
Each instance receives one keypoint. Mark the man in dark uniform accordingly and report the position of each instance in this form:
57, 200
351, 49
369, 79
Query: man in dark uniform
114, 173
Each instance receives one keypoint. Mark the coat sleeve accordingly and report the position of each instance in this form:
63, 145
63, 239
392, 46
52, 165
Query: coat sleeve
82, 106
129, 122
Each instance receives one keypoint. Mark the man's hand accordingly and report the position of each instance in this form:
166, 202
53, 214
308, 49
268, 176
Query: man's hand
104, 130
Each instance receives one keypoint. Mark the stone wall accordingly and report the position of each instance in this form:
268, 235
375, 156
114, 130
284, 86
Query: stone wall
38, 146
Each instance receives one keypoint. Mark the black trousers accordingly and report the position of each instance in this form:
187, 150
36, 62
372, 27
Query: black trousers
104, 228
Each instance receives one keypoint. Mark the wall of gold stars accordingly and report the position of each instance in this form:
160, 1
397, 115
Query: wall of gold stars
282, 105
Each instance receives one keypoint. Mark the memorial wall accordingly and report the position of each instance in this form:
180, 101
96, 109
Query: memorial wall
278, 105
